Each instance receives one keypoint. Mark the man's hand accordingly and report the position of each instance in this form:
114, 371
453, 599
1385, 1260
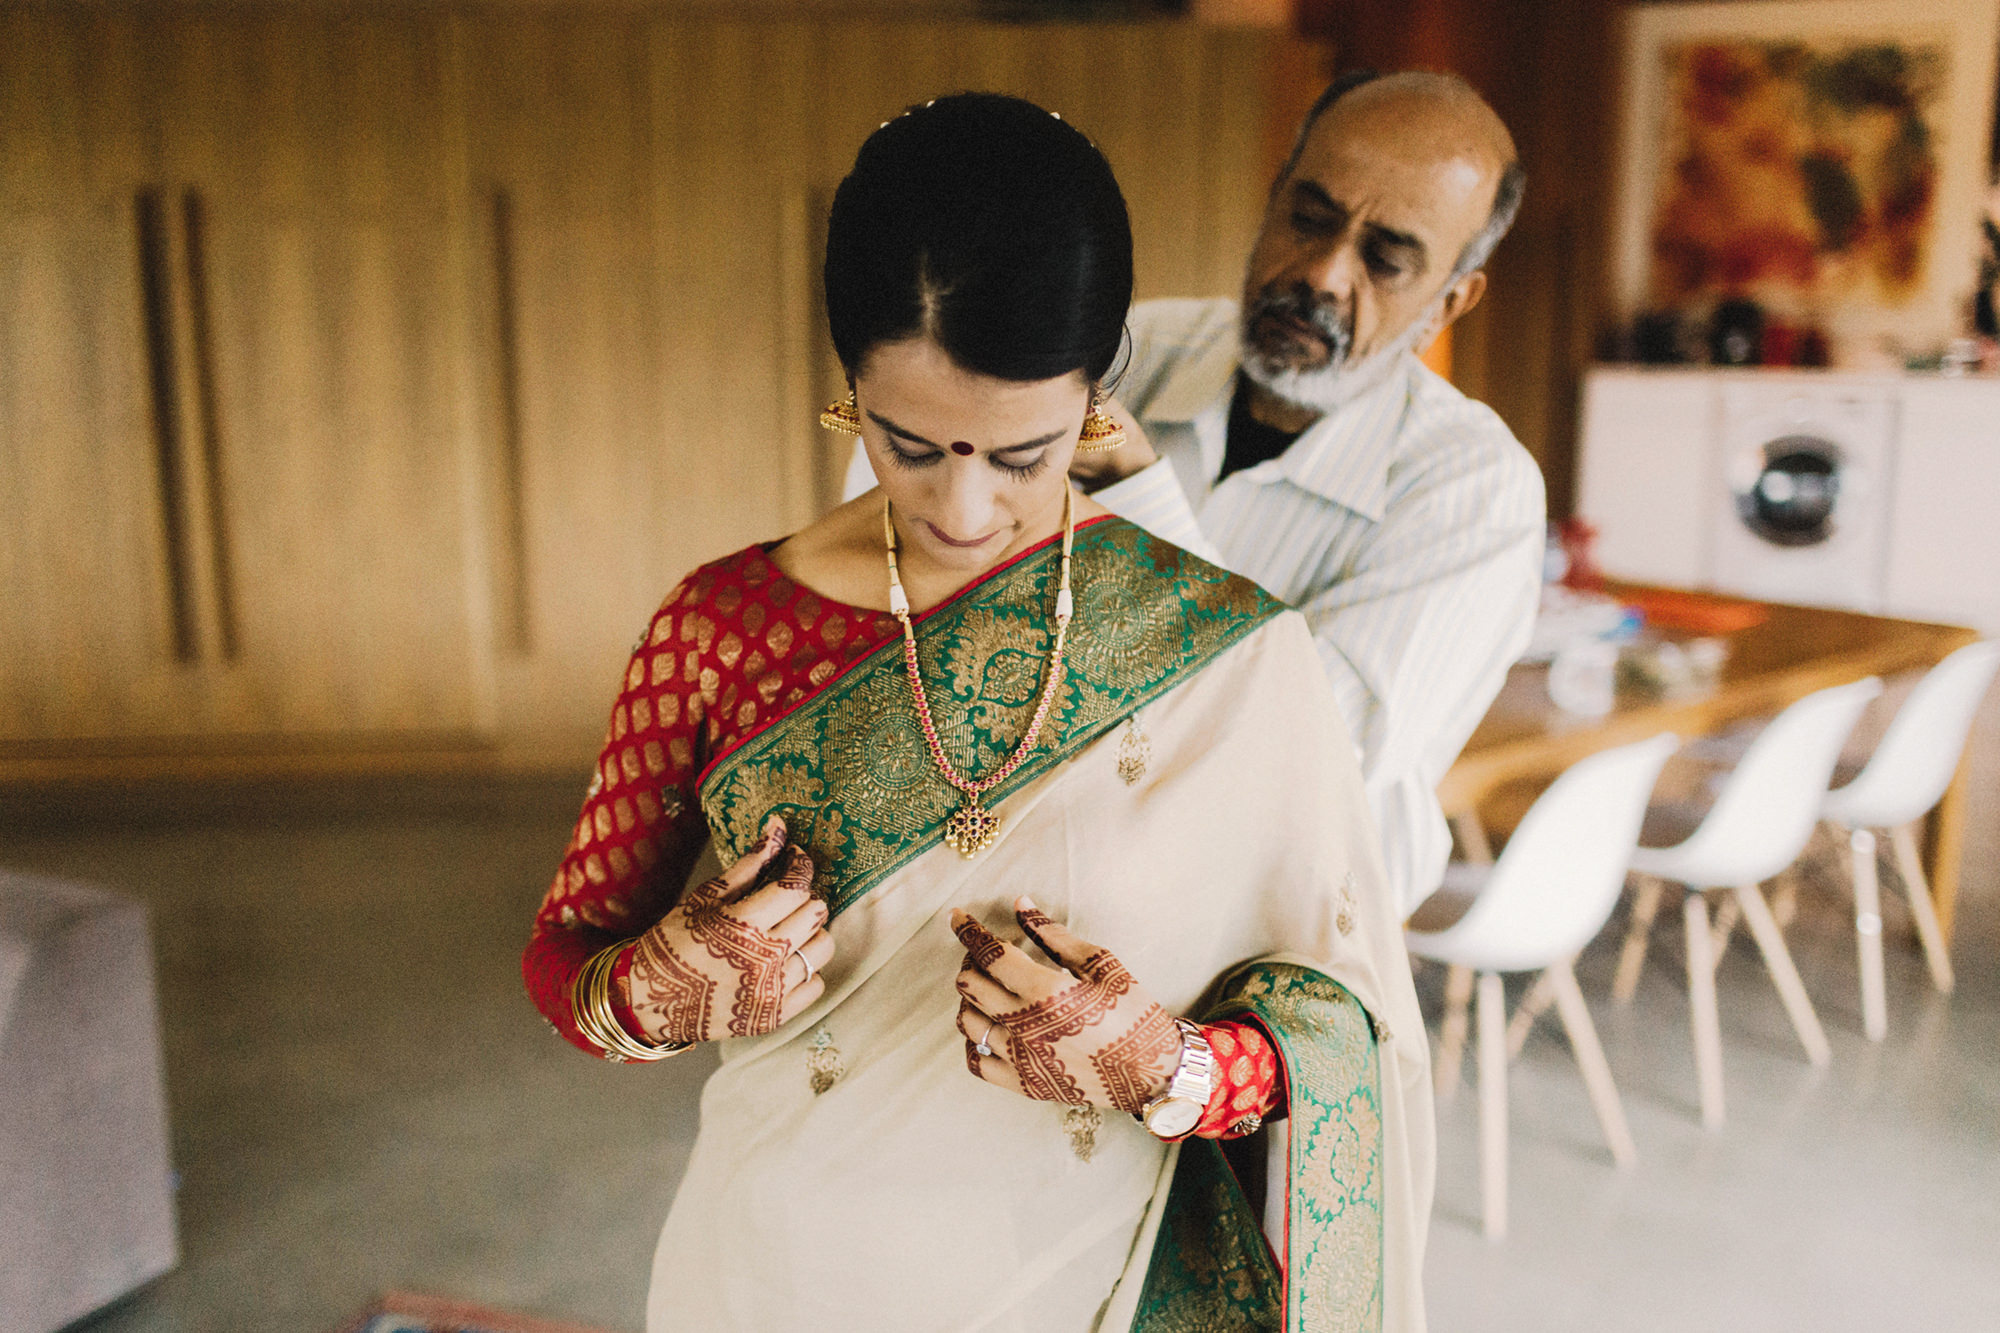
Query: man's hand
1080, 1032
1094, 472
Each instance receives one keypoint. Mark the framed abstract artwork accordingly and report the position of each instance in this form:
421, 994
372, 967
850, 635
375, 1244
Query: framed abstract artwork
1826, 159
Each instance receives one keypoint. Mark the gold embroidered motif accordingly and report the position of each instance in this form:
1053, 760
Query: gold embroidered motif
1079, 1126
1133, 752
824, 1066
1345, 906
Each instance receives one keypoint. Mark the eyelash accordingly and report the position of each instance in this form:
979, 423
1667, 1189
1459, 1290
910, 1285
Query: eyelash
1023, 471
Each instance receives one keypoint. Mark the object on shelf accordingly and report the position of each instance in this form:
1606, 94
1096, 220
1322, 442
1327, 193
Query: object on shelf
1662, 669
1695, 613
1736, 334
1583, 677
1568, 616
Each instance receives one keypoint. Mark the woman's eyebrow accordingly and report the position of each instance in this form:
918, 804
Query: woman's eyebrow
915, 438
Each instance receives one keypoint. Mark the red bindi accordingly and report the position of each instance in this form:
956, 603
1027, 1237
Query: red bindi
961, 448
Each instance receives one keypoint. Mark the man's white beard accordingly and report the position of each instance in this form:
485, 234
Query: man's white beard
1328, 388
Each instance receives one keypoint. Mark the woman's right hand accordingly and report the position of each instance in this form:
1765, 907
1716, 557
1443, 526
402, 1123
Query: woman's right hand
731, 959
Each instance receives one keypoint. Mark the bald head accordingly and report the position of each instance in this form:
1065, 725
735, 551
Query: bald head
1437, 115
1376, 232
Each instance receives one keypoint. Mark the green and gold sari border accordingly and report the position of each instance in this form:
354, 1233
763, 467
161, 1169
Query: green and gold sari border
1210, 1266
847, 767
892, 644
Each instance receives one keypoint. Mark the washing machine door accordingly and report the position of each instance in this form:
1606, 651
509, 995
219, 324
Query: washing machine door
1788, 491
1801, 508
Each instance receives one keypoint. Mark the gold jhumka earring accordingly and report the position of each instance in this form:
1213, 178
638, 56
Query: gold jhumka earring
842, 416
1101, 431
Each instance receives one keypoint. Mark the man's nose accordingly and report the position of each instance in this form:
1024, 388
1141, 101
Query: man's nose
1331, 270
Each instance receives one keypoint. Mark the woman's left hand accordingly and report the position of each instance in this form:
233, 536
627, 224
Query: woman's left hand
1081, 1032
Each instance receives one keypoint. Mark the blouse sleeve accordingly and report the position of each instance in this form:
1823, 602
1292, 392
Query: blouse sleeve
638, 835
1249, 1080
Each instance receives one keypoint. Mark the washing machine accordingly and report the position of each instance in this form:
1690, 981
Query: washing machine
1800, 489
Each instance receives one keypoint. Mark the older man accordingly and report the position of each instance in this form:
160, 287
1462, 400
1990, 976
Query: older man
1298, 440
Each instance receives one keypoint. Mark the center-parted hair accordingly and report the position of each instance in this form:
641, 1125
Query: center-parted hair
989, 225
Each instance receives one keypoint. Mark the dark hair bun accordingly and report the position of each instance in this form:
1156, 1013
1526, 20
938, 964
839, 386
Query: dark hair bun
993, 227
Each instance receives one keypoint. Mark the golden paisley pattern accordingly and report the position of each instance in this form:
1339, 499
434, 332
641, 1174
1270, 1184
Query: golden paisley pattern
1333, 1074
848, 770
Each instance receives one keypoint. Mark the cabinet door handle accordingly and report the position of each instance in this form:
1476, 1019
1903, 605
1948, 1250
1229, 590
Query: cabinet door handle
201, 339
515, 619
169, 449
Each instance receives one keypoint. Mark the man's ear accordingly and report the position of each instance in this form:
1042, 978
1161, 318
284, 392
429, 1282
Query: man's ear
1461, 297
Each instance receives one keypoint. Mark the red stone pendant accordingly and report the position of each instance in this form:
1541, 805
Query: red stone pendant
972, 830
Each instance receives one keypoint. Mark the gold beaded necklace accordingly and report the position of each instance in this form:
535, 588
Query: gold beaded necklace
973, 828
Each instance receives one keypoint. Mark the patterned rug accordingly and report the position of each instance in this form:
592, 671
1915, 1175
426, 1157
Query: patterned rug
406, 1312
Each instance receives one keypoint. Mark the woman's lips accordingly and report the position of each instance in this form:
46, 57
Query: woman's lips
949, 540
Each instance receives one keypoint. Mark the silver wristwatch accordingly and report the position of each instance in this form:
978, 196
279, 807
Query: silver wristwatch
1173, 1114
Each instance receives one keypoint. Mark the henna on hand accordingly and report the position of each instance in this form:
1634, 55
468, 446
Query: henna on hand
1140, 1065
674, 984
757, 959
678, 998
1050, 1046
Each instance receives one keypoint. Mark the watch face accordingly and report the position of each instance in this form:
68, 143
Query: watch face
1174, 1117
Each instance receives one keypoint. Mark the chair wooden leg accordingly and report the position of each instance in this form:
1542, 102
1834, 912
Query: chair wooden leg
1868, 935
1451, 1032
1590, 1059
1785, 897
1532, 1006
1493, 1104
1632, 959
1778, 962
1701, 1009
1727, 914
1918, 889
1472, 839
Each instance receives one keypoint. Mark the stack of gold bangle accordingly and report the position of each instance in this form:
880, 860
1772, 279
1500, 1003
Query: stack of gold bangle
590, 1005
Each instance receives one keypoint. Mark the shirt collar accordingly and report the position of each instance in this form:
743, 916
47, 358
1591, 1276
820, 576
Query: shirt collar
1343, 458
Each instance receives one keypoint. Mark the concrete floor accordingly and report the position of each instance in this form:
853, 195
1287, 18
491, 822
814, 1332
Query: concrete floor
362, 1098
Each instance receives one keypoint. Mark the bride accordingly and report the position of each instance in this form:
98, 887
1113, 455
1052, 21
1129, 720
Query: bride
1053, 968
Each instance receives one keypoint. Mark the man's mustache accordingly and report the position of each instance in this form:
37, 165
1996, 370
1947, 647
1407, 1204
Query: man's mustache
1322, 314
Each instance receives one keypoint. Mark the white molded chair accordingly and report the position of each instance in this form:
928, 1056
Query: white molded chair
1762, 818
1535, 910
1903, 779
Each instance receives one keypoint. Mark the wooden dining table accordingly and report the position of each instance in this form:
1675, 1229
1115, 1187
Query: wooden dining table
1525, 741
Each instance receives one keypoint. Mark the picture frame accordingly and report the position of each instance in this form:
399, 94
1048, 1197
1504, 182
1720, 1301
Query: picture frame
1825, 159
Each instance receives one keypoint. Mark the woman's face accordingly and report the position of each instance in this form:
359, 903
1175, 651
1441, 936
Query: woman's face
975, 467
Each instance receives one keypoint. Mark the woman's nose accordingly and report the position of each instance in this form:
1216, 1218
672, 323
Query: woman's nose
966, 509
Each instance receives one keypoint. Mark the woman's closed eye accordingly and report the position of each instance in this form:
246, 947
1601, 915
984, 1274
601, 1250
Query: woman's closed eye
912, 455
1022, 463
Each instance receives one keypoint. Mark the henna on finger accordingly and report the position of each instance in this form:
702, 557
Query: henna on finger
982, 948
1032, 919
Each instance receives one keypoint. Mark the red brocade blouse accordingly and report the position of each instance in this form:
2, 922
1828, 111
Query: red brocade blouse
736, 646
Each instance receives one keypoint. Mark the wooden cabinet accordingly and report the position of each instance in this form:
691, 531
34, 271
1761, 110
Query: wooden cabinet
312, 158
235, 418
94, 623
366, 378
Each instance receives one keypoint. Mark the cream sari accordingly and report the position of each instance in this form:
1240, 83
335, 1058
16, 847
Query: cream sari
1194, 806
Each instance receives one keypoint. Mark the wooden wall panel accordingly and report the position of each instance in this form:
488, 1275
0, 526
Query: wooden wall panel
565, 343
312, 145
88, 642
